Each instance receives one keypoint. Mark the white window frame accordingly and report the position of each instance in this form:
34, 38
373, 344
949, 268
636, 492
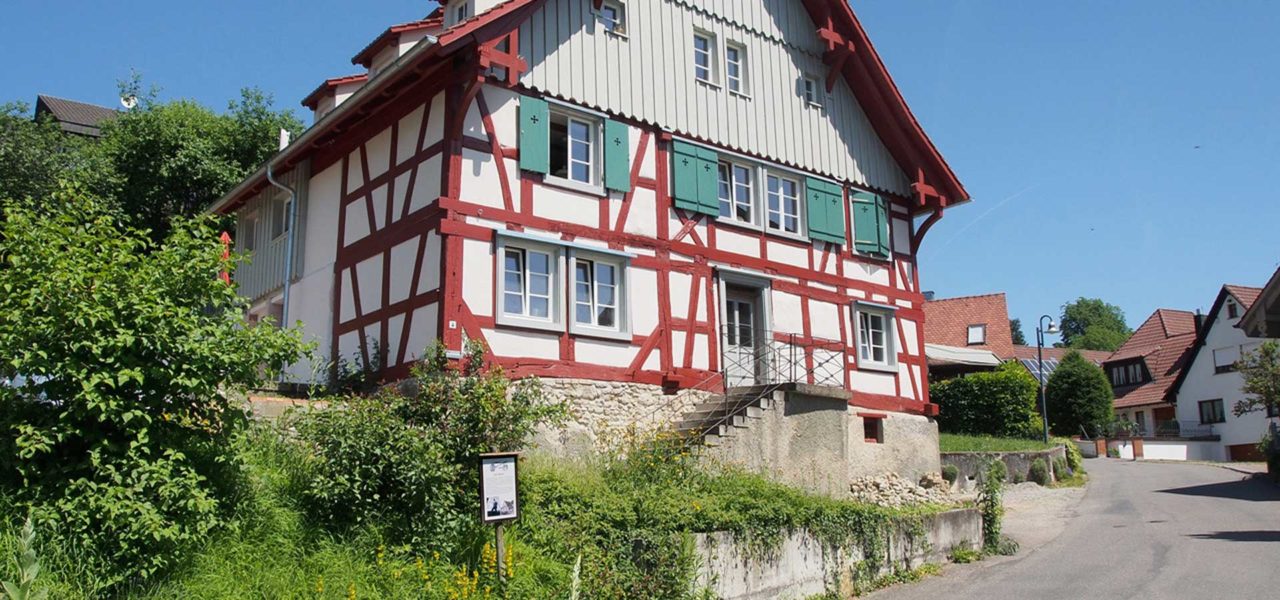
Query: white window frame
981, 338
555, 318
887, 314
712, 58
739, 84
811, 91
753, 178
619, 23
461, 11
249, 231
595, 164
621, 330
801, 231
280, 206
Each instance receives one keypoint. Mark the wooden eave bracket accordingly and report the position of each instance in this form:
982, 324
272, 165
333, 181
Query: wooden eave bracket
927, 199
838, 52
509, 59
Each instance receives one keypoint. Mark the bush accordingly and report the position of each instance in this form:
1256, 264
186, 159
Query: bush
1078, 396
950, 473
116, 429
997, 468
1060, 468
1075, 459
1001, 403
1039, 472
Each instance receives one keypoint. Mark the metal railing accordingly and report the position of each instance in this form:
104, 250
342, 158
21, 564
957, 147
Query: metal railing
752, 357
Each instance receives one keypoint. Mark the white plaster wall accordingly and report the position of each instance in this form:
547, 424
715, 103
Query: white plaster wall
478, 277
736, 241
519, 343
644, 310
789, 255
824, 320
1182, 450
560, 204
603, 352
787, 316
310, 300
866, 272
873, 382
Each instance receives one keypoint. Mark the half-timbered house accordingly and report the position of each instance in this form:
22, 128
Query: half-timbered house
631, 199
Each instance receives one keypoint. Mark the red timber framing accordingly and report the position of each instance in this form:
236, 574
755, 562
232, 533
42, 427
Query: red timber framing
685, 244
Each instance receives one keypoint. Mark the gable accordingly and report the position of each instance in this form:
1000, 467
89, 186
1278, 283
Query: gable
648, 76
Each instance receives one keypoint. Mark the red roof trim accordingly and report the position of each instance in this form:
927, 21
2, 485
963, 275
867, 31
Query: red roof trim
313, 98
365, 56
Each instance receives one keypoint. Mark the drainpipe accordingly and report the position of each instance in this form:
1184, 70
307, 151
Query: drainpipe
289, 240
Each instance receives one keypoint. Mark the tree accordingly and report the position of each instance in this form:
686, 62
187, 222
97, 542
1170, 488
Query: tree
1015, 329
1085, 313
1078, 396
1000, 403
36, 155
1261, 372
115, 418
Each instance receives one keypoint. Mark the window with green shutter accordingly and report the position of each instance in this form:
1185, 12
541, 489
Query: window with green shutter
617, 156
693, 170
871, 224
825, 205
535, 135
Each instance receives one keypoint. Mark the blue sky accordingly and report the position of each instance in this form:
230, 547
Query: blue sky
1123, 150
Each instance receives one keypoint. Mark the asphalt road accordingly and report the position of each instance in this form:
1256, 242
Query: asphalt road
1142, 530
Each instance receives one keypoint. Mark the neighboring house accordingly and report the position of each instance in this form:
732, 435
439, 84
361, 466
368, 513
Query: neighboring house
1262, 318
1143, 372
79, 118
1210, 386
625, 199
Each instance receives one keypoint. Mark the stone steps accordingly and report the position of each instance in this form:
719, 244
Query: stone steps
720, 418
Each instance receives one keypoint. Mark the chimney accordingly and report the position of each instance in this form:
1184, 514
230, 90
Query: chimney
928, 296
1199, 323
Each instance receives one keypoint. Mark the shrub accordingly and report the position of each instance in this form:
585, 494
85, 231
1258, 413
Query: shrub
1039, 472
950, 473
1075, 459
998, 468
1000, 403
1079, 397
1060, 468
991, 504
121, 350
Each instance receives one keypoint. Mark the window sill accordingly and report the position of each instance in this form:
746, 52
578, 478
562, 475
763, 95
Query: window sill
618, 34
882, 368
787, 235
505, 320
742, 95
707, 82
588, 331
575, 186
812, 104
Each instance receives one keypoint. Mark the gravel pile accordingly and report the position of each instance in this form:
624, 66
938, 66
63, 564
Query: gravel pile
894, 491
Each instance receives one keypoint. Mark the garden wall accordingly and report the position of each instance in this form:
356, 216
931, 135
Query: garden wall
969, 464
801, 567
1176, 449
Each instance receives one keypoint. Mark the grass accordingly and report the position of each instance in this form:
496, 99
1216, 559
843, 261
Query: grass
1078, 479
954, 442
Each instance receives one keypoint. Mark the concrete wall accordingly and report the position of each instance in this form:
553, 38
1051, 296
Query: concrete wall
969, 464
1166, 449
811, 438
801, 567
1124, 447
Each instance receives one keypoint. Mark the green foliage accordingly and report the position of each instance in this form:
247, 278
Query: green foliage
990, 490
1015, 329
955, 442
999, 403
1075, 459
121, 351
35, 155
1261, 371
1060, 468
1078, 396
1039, 472
964, 555
1091, 324
28, 568
950, 473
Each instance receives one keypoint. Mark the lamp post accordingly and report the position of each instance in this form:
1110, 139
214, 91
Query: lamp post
1040, 331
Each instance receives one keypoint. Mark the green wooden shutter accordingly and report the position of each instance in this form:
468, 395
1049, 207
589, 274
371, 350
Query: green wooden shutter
866, 223
535, 135
617, 156
825, 211
684, 172
882, 226
708, 182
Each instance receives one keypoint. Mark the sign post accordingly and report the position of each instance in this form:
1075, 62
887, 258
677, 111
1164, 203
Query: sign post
499, 497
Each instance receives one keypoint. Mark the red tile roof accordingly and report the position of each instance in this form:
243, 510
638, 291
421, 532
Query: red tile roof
1166, 343
313, 98
947, 322
388, 37
1244, 294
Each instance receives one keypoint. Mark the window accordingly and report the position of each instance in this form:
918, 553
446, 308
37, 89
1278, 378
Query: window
977, 334
527, 283
573, 144
784, 204
462, 12
875, 344
704, 57
735, 192
735, 61
1224, 359
614, 18
596, 290
873, 429
811, 92
1117, 376
280, 217
1141, 420
1135, 373
1233, 310
249, 233
1211, 412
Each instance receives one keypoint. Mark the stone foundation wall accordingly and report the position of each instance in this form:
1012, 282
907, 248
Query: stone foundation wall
601, 411
969, 464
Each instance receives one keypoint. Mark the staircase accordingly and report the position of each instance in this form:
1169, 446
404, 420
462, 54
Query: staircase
724, 416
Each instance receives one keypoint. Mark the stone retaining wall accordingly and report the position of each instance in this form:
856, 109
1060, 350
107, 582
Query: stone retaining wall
802, 568
602, 411
969, 464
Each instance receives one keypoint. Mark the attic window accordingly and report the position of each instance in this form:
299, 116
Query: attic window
1233, 309
977, 334
462, 12
614, 18
811, 91
704, 57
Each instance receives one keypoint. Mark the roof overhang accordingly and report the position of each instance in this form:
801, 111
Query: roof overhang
1263, 317
329, 85
939, 355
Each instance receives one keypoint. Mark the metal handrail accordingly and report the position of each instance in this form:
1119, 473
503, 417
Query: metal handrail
783, 358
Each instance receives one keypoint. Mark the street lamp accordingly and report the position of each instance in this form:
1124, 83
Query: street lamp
1040, 331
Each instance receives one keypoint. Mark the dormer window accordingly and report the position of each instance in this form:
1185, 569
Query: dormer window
977, 335
461, 11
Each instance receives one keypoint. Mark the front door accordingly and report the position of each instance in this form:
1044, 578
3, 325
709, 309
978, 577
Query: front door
741, 335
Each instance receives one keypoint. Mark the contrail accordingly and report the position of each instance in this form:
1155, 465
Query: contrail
984, 215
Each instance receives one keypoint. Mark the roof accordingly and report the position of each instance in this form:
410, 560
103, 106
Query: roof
893, 121
388, 37
1262, 319
75, 117
947, 321
1030, 358
313, 98
938, 354
1245, 295
1165, 343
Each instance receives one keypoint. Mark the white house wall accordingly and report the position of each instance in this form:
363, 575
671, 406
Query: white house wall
648, 76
